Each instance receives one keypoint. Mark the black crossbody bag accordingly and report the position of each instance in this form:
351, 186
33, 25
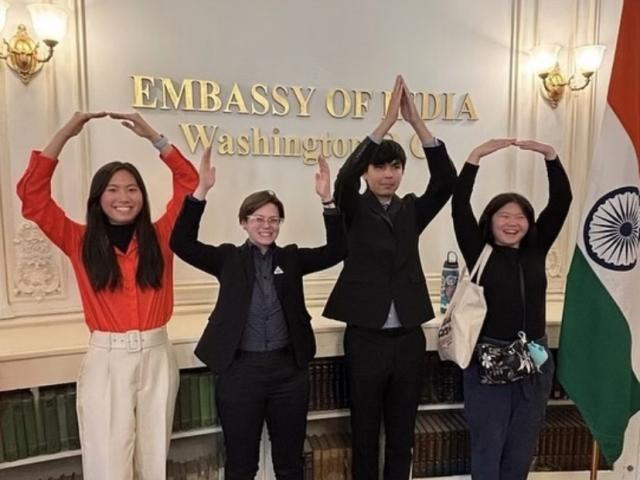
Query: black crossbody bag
505, 362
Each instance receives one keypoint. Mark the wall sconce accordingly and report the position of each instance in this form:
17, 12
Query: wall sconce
21, 51
545, 63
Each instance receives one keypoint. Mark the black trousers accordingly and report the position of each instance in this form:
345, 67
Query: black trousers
385, 371
259, 387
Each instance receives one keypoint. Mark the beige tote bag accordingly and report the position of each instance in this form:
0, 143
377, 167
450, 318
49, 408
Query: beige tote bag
460, 329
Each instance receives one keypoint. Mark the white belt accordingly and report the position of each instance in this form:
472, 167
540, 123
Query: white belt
132, 341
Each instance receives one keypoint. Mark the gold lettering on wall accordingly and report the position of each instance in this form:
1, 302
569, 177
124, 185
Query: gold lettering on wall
184, 96
280, 100
345, 103
360, 102
279, 95
467, 109
236, 100
141, 93
209, 92
431, 106
259, 95
303, 100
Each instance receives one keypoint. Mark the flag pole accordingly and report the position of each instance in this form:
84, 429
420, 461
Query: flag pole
595, 460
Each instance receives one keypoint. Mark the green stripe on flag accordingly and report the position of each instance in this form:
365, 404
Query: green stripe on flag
594, 363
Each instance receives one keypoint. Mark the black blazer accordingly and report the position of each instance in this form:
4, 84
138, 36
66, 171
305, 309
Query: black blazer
383, 262
233, 267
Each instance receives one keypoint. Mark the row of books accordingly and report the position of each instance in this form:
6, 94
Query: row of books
42, 421
210, 467
442, 383
565, 443
442, 446
327, 456
195, 405
38, 422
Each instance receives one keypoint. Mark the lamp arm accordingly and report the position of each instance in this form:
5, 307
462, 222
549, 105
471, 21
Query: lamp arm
50, 44
587, 79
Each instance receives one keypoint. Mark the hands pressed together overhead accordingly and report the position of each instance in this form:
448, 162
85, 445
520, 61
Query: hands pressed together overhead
132, 121
495, 144
401, 103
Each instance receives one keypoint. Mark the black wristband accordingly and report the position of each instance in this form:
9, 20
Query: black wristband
329, 202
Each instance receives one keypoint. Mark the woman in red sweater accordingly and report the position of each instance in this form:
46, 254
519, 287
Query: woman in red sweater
124, 268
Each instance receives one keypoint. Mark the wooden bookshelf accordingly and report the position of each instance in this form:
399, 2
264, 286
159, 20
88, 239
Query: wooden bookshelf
30, 360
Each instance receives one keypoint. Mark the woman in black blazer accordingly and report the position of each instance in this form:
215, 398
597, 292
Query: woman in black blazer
259, 338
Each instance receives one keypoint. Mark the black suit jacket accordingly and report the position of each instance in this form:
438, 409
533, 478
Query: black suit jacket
233, 267
383, 261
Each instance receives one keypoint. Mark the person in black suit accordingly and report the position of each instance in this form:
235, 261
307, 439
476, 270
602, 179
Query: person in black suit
259, 337
381, 292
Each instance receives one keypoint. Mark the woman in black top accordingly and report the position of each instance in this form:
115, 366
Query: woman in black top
259, 339
505, 419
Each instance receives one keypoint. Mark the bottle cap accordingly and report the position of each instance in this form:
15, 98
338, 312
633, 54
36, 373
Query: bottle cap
452, 260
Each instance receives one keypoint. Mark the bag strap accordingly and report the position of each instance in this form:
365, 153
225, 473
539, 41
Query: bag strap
481, 263
524, 298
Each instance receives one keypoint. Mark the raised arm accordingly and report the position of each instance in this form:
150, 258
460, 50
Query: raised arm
553, 215
139, 126
347, 184
470, 239
72, 128
441, 168
412, 117
34, 188
184, 238
315, 259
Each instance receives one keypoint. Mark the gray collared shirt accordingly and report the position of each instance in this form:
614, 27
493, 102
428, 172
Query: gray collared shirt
266, 327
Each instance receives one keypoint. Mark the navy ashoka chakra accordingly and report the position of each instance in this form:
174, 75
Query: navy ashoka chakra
612, 229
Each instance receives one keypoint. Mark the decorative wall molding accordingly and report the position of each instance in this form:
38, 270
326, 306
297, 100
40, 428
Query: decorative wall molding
37, 273
554, 265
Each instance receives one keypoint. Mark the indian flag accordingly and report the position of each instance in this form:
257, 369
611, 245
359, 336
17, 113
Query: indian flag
599, 357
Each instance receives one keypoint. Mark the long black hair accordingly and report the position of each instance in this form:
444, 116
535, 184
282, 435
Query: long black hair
98, 254
495, 204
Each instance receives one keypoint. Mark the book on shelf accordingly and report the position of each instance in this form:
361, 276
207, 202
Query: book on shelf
419, 448
184, 397
63, 423
194, 398
29, 417
49, 409
207, 400
8, 428
316, 449
308, 460
72, 416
